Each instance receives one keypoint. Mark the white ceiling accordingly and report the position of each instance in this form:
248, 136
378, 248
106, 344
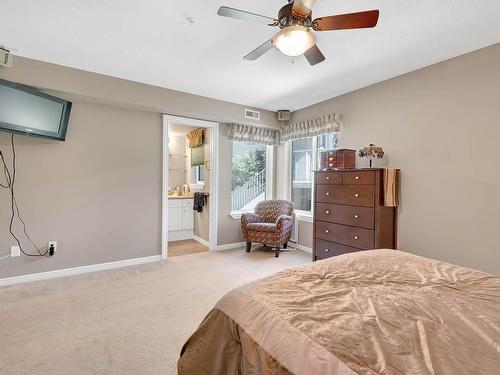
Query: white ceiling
150, 41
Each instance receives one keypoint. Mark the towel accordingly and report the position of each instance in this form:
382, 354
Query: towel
198, 202
391, 198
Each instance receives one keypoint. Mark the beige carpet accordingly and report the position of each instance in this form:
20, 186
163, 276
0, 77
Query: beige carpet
126, 321
184, 247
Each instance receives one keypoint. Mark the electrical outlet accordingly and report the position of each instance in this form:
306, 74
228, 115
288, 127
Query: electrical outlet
52, 243
15, 251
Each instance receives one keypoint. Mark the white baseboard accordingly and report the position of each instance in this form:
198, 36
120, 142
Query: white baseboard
201, 240
230, 246
238, 245
302, 248
78, 270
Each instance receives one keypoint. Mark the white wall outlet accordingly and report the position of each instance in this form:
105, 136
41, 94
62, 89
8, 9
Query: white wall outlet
15, 251
53, 243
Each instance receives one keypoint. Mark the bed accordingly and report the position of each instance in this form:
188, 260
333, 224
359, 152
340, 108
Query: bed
371, 312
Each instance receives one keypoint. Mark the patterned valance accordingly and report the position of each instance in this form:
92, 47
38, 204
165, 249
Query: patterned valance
254, 134
310, 128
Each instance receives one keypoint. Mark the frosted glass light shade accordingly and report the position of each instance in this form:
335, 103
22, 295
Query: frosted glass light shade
294, 40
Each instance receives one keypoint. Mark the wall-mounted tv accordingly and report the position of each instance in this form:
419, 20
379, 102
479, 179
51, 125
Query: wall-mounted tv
25, 110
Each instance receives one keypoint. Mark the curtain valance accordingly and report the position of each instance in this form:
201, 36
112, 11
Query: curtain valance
195, 138
310, 128
254, 134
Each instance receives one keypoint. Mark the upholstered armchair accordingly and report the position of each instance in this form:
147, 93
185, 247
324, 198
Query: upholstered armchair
270, 224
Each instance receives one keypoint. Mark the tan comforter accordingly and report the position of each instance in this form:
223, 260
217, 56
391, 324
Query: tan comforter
380, 311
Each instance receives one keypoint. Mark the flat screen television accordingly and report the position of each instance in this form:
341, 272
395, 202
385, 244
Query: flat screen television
25, 110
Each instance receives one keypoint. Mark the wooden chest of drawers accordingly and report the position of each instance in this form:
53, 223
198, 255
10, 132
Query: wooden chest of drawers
349, 213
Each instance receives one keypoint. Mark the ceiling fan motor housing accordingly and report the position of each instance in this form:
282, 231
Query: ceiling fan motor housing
286, 18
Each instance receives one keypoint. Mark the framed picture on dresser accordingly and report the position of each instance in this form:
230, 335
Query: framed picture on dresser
349, 213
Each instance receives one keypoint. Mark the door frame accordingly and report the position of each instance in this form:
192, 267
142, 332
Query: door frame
213, 188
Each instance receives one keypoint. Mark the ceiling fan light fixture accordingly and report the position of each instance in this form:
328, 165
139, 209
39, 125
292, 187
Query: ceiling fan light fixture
294, 40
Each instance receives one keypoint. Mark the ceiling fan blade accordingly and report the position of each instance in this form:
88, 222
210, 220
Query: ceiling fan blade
314, 55
246, 16
259, 51
302, 8
358, 20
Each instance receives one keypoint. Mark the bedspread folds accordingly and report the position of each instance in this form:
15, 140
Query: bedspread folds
372, 312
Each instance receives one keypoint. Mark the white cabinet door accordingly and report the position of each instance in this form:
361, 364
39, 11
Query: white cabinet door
187, 218
175, 221
188, 203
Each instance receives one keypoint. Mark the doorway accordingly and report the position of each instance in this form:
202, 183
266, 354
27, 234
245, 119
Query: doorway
189, 186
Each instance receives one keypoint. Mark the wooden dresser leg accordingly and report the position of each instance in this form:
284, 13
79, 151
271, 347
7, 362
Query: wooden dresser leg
249, 246
285, 245
277, 254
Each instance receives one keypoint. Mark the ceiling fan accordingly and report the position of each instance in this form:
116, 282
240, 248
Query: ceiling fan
296, 36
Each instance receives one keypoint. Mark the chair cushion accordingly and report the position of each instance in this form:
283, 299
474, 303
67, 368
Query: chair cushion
262, 227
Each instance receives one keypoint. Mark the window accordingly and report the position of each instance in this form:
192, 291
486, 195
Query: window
305, 159
302, 173
197, 178
200, 174
326, 142
248, 181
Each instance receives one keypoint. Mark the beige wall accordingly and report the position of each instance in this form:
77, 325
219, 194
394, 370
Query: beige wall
115, 91
228, 228
98, 194
305, 234
440, 125
104, 190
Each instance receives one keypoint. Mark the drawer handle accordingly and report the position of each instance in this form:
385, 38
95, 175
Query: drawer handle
356, 216
327, 212
327, 177
357, 177
356, 195
327, 193
356, 237
327, 231
327, 250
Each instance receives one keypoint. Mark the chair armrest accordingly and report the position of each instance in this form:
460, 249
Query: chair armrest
247, 218
284, 221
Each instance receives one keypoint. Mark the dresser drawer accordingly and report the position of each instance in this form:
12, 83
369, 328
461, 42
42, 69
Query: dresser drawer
356, 237
326, 249
363, 217
329, 178
354, 195
359, 178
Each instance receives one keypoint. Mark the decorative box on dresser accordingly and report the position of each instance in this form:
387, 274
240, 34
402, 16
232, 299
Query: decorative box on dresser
350, 214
